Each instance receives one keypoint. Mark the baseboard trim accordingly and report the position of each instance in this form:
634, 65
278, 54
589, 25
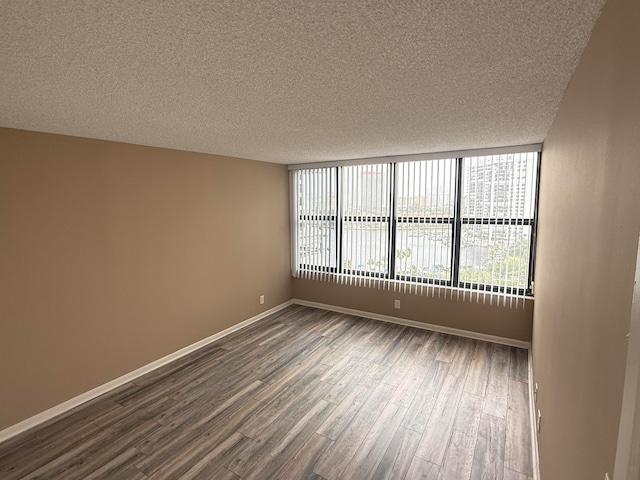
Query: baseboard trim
61, 408
412, 323
535, 459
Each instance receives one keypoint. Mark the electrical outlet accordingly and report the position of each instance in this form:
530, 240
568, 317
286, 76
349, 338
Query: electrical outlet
396, 303
261, 299
539, 421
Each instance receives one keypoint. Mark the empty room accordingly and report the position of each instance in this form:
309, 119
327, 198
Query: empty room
320, 240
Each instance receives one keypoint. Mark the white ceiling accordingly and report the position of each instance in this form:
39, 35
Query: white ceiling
291, 81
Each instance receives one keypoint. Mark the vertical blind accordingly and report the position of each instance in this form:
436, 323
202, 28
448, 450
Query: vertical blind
445, 227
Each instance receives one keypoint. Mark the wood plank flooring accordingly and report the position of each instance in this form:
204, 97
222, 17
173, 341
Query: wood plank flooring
303, 394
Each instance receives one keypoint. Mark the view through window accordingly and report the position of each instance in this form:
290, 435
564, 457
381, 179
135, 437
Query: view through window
466, 222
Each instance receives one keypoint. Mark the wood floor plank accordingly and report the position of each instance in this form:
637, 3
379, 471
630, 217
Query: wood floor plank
437, 433
399, 454
518, 368
434, 344
308, 423
338, 370
292, 444
406, 359
304, 393
297, 367
338, 456
368, 456
141, 411
207, 354
346, 383
220, 426
117, 466
396, 348
410, 384
219, 474
300, 373
458, 457
468, 417
269, 331
448, 351
478, 373
518, 438
422, 470
212, 464
496, 401
51, 464
337, 421
426, 396
301, 464
199, 454
462, 358
198, 412
511, 475
27, 457
262, 456
488, 459
129, 473
90, 459
373, 375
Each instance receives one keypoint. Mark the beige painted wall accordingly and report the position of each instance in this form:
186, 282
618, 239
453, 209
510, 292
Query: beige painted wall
588, 234
114, 255
513, 323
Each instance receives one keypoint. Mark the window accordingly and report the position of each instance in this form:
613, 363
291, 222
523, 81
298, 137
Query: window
317, 215
425, 220
467, 222
366, 216
497, 220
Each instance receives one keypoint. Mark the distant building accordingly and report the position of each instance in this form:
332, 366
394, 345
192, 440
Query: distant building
499, 186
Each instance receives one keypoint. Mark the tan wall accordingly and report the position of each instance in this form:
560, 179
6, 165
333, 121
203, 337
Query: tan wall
513, 323
588, 233
114, 255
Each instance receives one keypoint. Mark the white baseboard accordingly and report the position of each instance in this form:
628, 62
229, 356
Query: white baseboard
535, 459
42, 417
412, 323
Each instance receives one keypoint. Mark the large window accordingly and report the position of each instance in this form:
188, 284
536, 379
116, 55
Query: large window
466, 221
366, 216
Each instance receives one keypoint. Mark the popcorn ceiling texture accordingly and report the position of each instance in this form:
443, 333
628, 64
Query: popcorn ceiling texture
290, 82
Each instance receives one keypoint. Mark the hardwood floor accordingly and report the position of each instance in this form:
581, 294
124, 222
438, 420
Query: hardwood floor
306, 394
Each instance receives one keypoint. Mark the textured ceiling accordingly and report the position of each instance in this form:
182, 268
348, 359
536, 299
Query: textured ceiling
291, 81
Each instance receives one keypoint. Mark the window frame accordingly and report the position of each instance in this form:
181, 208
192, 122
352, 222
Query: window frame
457, 222
364, 219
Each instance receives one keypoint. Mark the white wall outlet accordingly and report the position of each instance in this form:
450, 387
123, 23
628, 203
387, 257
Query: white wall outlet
396, 303
261, 299
538, 421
